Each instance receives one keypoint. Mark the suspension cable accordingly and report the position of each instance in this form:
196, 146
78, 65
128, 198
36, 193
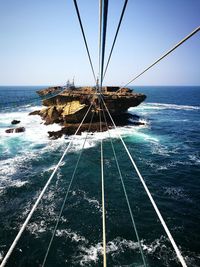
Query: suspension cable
85, 41
103, 39
8, 254
35, 99
125, 193
178, 253
166, 54
100, 29
115, 38
66, 195
102, 191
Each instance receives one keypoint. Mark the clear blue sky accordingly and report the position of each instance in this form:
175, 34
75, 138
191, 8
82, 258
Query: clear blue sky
41, 42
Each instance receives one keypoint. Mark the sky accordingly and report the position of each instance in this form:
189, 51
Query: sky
41, 42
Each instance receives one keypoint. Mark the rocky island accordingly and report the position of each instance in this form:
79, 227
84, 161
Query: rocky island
68, 106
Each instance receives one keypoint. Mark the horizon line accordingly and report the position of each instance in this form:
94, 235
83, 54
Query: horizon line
50, 85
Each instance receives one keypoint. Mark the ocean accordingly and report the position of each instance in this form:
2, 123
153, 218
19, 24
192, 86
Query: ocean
167, 152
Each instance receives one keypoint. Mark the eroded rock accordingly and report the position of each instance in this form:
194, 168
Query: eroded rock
70, 106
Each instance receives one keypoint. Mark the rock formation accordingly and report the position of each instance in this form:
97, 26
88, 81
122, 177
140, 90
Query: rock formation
69, 106
49, 90
15, 130
15, 122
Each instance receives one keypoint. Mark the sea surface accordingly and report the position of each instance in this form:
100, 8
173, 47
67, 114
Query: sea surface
167, 152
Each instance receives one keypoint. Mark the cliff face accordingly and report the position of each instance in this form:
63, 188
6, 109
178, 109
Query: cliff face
69, 106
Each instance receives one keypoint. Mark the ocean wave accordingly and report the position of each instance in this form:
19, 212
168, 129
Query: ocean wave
74, 236
195, 158
176, 193
36, 133
93, 253
159, 149
9, 168
158, 248
37, 228
160, 106
143, 122
91, 200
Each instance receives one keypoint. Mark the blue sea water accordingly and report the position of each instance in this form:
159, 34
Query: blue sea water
167, 152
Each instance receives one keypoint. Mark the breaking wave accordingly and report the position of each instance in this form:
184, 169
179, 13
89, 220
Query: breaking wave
160, 106
159, 248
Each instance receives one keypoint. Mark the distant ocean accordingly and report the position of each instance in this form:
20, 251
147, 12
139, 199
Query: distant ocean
167, 152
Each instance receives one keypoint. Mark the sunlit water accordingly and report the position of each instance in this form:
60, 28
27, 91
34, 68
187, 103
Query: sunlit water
167, 152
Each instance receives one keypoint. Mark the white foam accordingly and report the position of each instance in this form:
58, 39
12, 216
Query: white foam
116, 246
159, 106
72, 235
91, 200
8, 168
159, 149
37, 228
22, 147
90, 254
195, 159
1, 256
35, 130
176, 193
94, 138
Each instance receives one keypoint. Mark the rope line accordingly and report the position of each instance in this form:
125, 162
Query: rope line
125, 193
103, 38
9, 252
166, 54
103, 194
178, 253
115, 38
66, 195
85, 41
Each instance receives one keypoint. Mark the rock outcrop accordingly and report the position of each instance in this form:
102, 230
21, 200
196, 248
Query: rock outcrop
15, 122
16, 130
49, 90
69, 107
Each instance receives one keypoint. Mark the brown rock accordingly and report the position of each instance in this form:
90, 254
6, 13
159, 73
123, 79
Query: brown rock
49, 90
20, 130
36, 112
9, 130
52, 116
16, 130
70, 106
